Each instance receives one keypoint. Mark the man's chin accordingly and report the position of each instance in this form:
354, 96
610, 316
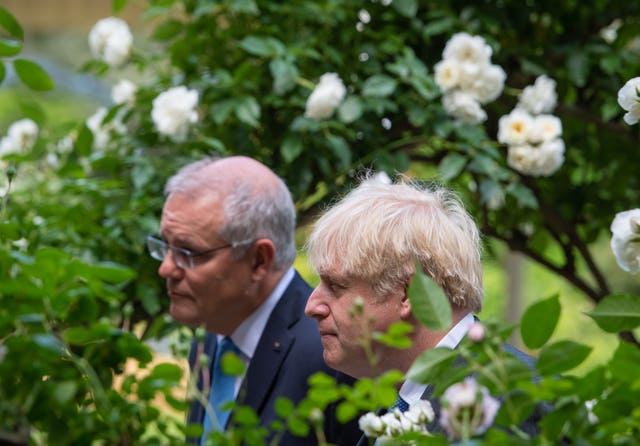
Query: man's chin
187, 318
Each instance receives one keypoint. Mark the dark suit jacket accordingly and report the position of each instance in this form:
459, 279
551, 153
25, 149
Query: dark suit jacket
288, 352
529, 425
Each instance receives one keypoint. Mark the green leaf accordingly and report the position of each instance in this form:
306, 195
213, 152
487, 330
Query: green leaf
516, 407
167, 371
244, 7
118, 5
617, 312
10, 24
429, 304
346, 411
3, 71
523, 195
539, 321
82, 335
65, 391
32, 75
291, 147
9, 47
167, 30
220, 111
350, 110
395, 335
341, 149
625, 363
231, 364
263, 46
578, 67
431, 364
562, 356
248, 111
451, 166
48, 342
111, 272
284, 75
84, 141
284, 407
407, 8
379, 85
439, 26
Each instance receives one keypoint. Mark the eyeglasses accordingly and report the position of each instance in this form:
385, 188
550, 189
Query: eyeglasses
183, 258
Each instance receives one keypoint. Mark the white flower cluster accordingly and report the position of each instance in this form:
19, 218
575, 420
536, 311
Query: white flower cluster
625, 240
110, 40
395, 423
467, 78
21, 136
534, 136
467, 407
102, 131
124, 92
629, 99
174, 111
326, 97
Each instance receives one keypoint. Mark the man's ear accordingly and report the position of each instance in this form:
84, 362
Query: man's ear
264, 253
405, 303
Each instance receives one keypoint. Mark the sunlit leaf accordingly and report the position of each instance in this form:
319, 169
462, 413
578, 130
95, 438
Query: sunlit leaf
617, 312
539, 321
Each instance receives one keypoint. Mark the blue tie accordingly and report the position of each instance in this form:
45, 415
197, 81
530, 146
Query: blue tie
400, 404
222, 388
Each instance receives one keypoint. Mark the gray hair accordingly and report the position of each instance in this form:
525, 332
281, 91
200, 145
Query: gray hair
378, 231
250, 210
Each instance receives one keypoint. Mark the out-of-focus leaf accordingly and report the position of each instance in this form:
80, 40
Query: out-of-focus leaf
10, 24
33, 75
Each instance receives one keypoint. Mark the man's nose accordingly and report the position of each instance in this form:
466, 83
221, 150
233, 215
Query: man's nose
316, 308
168, 267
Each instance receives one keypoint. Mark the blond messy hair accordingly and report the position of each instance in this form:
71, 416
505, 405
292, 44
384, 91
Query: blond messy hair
378, 231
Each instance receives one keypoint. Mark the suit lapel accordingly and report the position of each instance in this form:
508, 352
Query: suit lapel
272, 349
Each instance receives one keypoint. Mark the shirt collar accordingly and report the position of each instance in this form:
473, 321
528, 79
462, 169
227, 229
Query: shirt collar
411, 391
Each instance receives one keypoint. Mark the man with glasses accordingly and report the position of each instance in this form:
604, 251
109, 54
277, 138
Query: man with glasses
227, 248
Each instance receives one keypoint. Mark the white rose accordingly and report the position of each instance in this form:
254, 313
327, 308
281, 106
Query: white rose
462, 394
420, 413
629, 99
490, 407
102, 132
625, 240
21, 135
326, 97
124, 92
540, 97
110, 40
464, 107
485, 85
448, 73
542, 160
544, 128
514, 128
371, 425
464, 47
174, 111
